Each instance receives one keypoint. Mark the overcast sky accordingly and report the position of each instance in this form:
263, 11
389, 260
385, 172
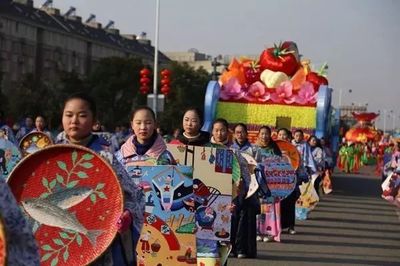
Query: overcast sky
360, 39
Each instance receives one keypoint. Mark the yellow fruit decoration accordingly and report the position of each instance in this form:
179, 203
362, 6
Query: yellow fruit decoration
273, 79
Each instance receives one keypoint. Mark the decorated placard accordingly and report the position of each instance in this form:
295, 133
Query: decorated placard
168, 235
391, 189
289, 152
33, 142
9, 156
279, 175
3, 243
212, 172
308, 199
73, 199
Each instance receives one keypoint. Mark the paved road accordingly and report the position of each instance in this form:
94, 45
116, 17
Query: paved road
352, 226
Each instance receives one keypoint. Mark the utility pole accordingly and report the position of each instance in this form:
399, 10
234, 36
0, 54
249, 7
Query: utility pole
215, 73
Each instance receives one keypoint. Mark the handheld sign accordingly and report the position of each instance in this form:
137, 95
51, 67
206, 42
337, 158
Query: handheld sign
73, 199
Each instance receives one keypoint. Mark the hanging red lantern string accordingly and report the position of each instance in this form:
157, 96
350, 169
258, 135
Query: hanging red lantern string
165, 82
144, 81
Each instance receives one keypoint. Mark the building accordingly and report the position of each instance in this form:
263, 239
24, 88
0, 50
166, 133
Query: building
45, 42
346, 116
197, 60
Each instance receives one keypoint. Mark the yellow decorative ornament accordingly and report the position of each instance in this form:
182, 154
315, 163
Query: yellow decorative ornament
266, 114
305, 63
273, 79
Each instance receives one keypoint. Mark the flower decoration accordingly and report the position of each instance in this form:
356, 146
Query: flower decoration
257, 92
306, 94
232, 90
284, 93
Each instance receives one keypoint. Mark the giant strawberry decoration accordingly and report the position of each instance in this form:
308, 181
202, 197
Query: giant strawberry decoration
252, 72
279, 59
317, 78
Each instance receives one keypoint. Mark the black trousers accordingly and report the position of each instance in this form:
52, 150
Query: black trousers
288, 210
317, 182
243, 227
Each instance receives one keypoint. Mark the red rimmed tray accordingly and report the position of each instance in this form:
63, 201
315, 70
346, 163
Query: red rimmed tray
3, 243
75, 196
290, 152
33, 142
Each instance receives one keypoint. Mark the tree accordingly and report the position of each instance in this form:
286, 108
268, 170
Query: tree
188, 87
114, 84
31, 97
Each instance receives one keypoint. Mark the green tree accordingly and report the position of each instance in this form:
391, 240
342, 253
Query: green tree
31, 97
114, 84
188, 87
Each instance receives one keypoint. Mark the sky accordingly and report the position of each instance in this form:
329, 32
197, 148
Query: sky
359, 39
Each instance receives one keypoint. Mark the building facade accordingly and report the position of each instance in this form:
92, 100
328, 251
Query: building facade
44, 42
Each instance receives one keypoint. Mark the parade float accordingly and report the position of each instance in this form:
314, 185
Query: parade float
278, 90
362, 131
356, 152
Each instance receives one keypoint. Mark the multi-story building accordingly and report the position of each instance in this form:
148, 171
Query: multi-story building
44, 42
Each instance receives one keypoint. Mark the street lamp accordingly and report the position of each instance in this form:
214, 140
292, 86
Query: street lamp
340, 96
155, 76
215, 73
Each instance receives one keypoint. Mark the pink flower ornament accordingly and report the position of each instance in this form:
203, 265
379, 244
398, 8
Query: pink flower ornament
257, 93
283, 93
232, 90
306, 94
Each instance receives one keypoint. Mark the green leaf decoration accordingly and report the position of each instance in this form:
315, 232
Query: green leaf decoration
72, 184
100, 186
102, 195
47, 247
81, 174
64, 235
93, 198
66, 255
58, 242
44, 195
62, 165
54, 261
79, 239
60, 178
74, 156
45, 182
86, 165
46, 257
87, 156
53, 183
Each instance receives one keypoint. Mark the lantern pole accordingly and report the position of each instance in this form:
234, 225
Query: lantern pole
156, 57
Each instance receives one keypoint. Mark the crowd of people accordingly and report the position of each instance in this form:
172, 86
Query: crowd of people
143, 143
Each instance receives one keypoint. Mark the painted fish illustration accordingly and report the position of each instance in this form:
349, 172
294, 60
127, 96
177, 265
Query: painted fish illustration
49, 214
69, 197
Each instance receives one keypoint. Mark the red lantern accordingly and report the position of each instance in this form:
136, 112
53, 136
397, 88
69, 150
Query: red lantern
144, 81
165, 82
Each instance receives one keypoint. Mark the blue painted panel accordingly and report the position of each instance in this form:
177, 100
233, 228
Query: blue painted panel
210, 104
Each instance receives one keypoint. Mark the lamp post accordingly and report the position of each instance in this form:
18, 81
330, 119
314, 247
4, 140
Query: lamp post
215, 73
384, 121
155, 76
340, 96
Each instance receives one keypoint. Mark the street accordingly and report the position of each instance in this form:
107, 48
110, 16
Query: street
351, 226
